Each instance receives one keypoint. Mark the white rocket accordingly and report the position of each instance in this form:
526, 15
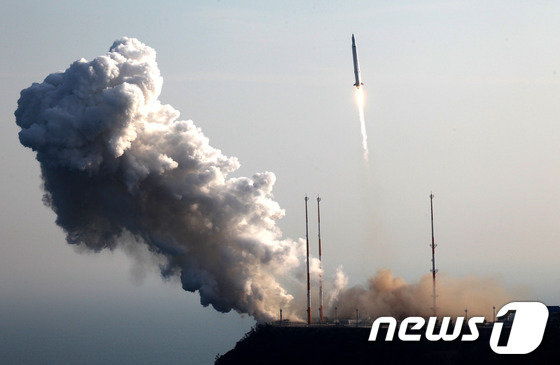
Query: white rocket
356, 65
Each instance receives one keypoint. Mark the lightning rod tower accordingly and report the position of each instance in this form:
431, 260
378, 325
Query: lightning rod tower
307, 246
320, 263
433, 245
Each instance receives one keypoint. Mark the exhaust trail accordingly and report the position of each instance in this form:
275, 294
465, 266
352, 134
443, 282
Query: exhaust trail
360, 102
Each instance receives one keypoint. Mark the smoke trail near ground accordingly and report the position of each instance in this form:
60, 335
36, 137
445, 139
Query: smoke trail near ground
339, 283
118, 163
360, 100
387, 295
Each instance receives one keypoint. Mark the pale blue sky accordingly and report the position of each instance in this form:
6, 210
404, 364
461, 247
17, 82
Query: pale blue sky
462, 99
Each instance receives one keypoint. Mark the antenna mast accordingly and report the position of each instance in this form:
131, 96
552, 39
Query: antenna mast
434, 271
307, 246
320, 264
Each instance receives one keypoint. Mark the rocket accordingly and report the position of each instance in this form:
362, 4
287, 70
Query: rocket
356, 65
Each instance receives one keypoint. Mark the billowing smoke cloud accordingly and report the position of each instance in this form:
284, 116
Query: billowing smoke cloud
121, 170
118, 163
387, 295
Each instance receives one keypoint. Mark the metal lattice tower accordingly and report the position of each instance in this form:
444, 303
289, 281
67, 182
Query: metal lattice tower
433, 245
307, 246
320, 263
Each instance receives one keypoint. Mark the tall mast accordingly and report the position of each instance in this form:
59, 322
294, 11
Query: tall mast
307, 246
434, 271
320, 263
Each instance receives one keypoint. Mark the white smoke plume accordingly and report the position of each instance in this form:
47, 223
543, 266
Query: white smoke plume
387, 295
118, 163
339, 283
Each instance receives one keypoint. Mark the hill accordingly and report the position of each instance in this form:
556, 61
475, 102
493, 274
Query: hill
270, 344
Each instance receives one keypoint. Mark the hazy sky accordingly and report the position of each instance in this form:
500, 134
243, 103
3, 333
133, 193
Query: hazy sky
462, 100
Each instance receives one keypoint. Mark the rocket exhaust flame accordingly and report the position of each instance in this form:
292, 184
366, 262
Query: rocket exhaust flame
360, 102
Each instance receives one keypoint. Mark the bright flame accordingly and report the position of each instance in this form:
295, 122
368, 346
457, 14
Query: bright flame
360, 100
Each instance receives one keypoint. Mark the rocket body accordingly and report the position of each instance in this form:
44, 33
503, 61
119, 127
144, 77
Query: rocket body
356, 65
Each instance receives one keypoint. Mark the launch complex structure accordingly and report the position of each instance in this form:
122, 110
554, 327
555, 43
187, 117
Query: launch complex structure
321, 314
